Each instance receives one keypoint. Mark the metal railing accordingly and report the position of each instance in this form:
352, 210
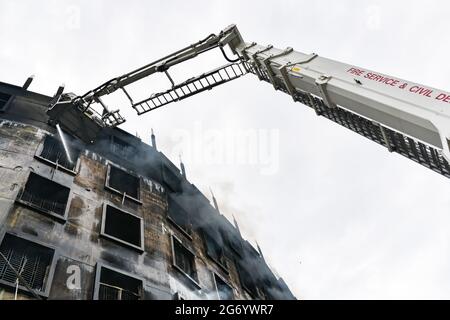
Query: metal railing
28, 197
23, 269
59, 158
109, 292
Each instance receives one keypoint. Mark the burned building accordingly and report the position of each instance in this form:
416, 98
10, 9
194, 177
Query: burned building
110, 220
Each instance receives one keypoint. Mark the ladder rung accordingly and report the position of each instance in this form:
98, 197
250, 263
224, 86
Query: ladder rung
192, 86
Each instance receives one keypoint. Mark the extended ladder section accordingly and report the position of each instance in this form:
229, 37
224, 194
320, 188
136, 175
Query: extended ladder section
192, 86
73, 113
405, 117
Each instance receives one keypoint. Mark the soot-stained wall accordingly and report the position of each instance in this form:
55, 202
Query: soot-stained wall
80, 248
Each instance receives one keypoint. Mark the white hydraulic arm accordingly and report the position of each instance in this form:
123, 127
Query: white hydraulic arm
405, 117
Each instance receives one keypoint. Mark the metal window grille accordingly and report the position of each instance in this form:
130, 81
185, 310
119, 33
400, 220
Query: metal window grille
53, 151
45, 195
109, 292
179, 216
184, 259
4, 98
214, 246
31, 260
114, 285
122, 148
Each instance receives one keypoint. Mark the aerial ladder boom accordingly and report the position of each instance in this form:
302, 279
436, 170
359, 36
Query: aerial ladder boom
405, 117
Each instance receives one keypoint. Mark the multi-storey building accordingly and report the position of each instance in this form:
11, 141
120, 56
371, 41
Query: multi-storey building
110, 220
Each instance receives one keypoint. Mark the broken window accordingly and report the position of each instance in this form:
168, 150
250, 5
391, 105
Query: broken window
122, 226
122, 149
114, 285
123, 182
4, 98
53, 151
45, 195
184, 259
179, 216
31, 260
271, 290
171, 179
246, 277
224, 290
214, 245
234, 242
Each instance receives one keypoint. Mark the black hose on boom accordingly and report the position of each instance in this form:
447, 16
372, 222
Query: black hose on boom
228, 59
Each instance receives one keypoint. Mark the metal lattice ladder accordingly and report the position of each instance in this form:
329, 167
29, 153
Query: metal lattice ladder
190, 87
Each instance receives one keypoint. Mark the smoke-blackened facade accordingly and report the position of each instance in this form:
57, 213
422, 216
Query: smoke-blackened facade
110, 220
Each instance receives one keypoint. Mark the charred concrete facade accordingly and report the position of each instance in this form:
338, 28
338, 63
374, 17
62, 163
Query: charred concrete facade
111, 220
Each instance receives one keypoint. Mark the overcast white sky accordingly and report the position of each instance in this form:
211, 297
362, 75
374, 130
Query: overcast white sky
341, 217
